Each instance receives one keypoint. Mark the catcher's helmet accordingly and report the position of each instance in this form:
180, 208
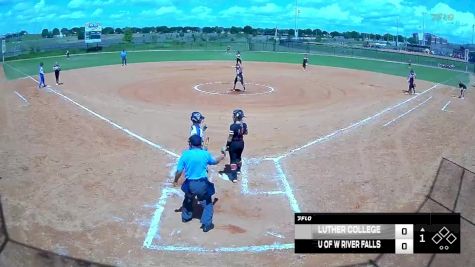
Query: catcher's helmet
197, 117
238, 114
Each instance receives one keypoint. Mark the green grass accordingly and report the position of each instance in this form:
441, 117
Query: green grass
30, 66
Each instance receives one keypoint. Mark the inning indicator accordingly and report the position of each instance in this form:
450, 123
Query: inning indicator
399, 233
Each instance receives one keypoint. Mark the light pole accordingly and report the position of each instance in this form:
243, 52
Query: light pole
397, 33
423, 28
296, 34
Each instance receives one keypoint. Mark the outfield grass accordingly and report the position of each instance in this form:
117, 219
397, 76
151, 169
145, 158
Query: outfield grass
30, 66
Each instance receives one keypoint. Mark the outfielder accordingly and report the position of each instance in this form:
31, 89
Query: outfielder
239, 77
235, 143
238, 57
462, 88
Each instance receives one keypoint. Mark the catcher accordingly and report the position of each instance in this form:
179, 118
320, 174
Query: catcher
235, 144
198, 128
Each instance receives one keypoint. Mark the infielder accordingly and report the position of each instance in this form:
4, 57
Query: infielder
239, 77
462, 88
235, 143
42, 76
57, 69
411, 80
305, 62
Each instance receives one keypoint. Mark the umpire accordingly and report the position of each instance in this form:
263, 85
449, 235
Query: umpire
194, 163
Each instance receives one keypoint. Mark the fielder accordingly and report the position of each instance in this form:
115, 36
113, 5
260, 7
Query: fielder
42, 76
411, 80
123, 56
238, 57
239, 77
235, 143
462, 88
57, 70
305, 62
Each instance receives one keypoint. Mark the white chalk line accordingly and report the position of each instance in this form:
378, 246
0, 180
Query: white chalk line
197, 88
445, 106
407, 112
127, 131
21, 97
351, 126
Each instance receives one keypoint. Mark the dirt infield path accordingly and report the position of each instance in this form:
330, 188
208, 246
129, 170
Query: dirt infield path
74, 184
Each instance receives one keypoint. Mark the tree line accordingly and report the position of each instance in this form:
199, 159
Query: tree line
248, 30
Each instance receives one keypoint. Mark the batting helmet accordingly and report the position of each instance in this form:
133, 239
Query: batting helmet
238, 114
197, 117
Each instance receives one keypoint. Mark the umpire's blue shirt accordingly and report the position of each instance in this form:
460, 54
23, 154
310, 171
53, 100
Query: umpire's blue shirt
195, 161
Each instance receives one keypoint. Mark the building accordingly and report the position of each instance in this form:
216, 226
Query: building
431, 39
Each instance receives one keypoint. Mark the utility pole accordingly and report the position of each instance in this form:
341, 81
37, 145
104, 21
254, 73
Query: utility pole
473, 29
296, 33
397, 33
423, 28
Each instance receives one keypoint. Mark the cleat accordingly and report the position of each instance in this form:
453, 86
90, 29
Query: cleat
185, 221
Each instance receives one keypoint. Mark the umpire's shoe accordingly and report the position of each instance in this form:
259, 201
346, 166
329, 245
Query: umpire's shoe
207, 228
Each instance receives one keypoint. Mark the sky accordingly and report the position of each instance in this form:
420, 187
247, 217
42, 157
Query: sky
451, 19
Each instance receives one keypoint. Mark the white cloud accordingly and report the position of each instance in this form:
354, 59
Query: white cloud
97, 12
73, 15
167, 10
329, 13
233, 11
201, 13
76, 3
40, 5
269, 8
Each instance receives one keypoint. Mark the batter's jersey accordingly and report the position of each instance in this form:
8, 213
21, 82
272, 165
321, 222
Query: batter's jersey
238, 130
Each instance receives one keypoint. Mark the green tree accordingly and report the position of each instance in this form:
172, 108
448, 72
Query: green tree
208, 30
127, 35
64, 31
81, 33
55, 31
108, 30
44, 33
118, 31
247, 29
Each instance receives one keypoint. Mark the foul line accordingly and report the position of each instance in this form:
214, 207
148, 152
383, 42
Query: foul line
407, 112
351, 126
127, 131
21, 97
443, 109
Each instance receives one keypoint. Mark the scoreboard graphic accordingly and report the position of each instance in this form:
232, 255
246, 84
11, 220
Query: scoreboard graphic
399, 233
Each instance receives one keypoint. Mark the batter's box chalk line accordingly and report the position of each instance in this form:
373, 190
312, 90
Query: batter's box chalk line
199, 88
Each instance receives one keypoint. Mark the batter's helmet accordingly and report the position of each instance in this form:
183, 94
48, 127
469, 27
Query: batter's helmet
197, 117
238, 114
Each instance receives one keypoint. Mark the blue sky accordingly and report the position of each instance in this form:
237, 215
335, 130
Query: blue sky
378, 16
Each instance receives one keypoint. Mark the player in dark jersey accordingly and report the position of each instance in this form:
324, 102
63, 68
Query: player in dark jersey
239, 77
411, 79
305, 62
235, 143
238, 57
462, 87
